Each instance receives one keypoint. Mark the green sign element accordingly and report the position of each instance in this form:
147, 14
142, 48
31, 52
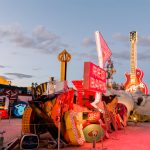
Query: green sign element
93, 132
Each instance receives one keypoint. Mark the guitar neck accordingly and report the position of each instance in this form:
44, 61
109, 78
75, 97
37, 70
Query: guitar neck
133, 54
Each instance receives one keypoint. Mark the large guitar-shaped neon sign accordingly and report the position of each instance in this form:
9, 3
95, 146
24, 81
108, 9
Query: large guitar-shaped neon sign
134, 78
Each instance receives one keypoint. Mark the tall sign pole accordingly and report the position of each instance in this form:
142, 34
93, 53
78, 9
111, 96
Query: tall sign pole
64, 57
104, 54
99, 50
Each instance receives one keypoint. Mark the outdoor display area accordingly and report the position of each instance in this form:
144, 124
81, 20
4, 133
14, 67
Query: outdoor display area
130, 138
88, 112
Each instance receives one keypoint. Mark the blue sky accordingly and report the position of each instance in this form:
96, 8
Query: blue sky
33, 33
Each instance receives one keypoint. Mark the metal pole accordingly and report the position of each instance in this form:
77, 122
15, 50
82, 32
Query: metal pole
94, 143
102, 144
59, 135
102, 141
9, 115
59, 125
94, 133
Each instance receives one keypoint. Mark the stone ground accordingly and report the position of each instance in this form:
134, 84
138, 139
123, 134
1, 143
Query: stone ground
133, 137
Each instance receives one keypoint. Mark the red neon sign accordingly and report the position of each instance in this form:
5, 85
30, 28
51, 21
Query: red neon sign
94, 77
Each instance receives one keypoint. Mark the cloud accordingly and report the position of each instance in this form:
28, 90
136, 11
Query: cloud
88, 41
141, 40
19, 75
143, 56
144, 41
41, 34
126, 56
1, 66
40, 39
86, 55
118, 55
121, 55
36, 68
121, 37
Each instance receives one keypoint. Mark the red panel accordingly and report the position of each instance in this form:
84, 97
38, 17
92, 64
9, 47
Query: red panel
94, 77
3, 114
78, 84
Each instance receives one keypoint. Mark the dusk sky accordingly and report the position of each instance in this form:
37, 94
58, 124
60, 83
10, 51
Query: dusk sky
33, 33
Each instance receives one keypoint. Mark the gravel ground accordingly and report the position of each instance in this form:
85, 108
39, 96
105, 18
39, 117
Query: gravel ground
12, 128
133, 137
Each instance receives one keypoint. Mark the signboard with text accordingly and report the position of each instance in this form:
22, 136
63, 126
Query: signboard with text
94, 78
91, 116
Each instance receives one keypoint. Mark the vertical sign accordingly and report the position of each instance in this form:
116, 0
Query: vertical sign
104, 54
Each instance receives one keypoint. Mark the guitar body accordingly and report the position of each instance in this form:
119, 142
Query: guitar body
132, 86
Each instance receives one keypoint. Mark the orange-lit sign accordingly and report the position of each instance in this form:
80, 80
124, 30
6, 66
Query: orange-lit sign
91, 116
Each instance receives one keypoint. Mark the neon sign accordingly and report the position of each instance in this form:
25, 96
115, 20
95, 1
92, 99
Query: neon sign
91, 116
94, 77
133, 88
18, 108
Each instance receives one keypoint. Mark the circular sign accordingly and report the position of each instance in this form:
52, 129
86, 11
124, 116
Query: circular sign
18, 108
93, 132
